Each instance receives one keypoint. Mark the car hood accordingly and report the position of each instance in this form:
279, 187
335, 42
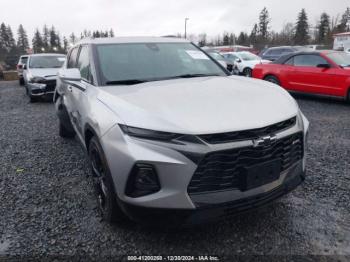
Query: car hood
200, 105
44, 72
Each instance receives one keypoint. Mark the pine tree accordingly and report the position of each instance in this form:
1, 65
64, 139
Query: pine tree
46, 38
226, 39
344, 25
243, 39
264, 21
202, 40
324, 29
72, 38
254, 34
38, 44
301, 36
53, 39
22, 40
65, 45
111, 33
11, 40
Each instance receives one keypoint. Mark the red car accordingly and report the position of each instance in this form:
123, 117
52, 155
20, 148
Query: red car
317, 72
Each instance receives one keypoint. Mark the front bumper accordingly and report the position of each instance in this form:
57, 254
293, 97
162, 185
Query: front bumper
213, 212
42, 89
176, 165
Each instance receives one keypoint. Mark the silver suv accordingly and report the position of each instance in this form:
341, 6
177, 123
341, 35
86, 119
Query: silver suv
171, 134
40, 73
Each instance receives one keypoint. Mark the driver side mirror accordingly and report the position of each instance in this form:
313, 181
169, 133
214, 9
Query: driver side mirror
70, 74
325, 66
24, 67
238, 60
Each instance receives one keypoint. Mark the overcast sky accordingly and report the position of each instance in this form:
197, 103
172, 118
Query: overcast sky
159, 17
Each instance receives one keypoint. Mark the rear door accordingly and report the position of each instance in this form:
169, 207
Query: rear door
307, 76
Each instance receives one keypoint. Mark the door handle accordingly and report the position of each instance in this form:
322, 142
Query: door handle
70, 88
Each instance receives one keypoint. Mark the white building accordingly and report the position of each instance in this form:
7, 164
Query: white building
342, 41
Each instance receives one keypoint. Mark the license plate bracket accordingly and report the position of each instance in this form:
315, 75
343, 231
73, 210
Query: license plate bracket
260, 174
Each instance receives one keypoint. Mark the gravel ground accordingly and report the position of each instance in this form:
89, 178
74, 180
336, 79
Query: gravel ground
48, 207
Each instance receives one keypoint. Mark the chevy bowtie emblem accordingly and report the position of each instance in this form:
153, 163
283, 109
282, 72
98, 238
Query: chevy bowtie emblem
264, 141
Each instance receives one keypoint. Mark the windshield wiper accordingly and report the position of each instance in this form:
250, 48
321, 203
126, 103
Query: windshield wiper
126, 82
192, 76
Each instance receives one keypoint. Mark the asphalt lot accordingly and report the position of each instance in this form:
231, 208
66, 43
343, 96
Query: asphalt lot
48, 206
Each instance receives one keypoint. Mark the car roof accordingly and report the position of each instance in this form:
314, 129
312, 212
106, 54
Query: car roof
47, 54
284, 58
135, 39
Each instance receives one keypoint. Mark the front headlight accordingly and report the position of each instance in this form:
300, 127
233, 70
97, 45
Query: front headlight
149, 134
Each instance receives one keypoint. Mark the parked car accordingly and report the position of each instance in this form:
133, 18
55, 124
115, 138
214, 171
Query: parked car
180, 140
274, 53
40, 74
244, 62
316, 72
21, 62
222, 60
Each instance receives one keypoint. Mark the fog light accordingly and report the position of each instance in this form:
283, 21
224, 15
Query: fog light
143, 180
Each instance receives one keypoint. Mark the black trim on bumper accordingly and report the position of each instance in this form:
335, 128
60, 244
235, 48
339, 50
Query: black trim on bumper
212, 213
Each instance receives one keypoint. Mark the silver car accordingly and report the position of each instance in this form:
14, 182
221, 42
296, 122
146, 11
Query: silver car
171, 135
40, 74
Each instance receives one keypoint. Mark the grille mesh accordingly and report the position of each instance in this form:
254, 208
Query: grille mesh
219, 171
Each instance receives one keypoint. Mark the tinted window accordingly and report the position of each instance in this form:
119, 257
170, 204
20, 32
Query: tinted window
153, 61
83, 63
23, 60
308, 60
290, 61
274, 52
73, 58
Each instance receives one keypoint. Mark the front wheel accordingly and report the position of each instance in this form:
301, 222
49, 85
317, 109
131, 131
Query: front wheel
104, 185
272, 79
248, 72
21, 81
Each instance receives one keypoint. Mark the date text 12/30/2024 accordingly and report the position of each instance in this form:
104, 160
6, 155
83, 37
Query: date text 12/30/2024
173, 258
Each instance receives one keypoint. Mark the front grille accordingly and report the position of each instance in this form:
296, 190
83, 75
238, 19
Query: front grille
248, 134
219, 171
50, 85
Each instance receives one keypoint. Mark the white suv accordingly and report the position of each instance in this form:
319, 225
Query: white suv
171, 135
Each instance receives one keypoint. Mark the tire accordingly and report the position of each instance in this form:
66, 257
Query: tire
103, 183
348, 98
21, 81
248, 72
64, 132
272, 79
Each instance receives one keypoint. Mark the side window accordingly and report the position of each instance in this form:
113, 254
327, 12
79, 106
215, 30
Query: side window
275, 52
309, 60
290, 61
73, 58
84, 63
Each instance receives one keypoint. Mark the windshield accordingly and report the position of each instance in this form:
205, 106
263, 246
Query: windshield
141, 62
340, 58
216, 56
246, 56
46, 61
23, 60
